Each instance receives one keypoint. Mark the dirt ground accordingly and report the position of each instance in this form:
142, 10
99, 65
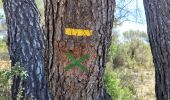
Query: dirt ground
144, 83
4, 64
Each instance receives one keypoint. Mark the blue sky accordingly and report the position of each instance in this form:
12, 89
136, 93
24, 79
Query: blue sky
131, 25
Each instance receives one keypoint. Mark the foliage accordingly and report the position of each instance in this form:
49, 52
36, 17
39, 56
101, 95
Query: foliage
137, 50
40, 6
3, 50
0, 3
135, 35
127, 56
133, 52
3, 46
116, 55
5, 79
114, 88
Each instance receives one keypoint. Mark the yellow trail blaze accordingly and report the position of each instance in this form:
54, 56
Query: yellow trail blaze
78, 32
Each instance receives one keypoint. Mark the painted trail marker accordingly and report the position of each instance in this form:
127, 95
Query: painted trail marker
77, 63
78, 32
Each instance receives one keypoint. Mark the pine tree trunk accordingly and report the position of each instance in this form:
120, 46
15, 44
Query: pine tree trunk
95, 15
26, 46
158, 21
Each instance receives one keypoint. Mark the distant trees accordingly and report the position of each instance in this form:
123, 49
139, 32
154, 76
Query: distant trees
130, 57
158, 22
131, 50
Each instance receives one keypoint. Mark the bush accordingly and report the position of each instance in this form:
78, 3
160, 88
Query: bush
114, 88
127, 56
4, 55
5, 80
133, 52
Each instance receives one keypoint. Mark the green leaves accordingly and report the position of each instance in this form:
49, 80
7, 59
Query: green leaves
114, 87
76, 63
17, 70
6, 76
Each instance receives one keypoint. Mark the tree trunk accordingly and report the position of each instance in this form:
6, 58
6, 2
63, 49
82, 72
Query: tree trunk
77, 16
158, 21
26, 46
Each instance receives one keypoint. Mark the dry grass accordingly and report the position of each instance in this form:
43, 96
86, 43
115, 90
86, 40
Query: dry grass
5, 64
144, 84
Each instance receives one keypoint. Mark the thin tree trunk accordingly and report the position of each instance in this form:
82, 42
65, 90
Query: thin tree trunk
158, 21
95, 15
26, 46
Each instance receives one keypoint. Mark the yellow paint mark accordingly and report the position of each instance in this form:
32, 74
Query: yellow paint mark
78, 32
68, 31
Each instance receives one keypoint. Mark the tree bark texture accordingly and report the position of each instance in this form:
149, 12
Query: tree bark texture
26, 46
158, 21
95, 15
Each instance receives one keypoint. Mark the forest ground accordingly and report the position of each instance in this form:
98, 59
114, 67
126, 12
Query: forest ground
144, 83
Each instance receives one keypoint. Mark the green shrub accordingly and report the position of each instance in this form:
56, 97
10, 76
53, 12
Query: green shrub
5, 80
127, 57
3, 46
4, 55
114, 88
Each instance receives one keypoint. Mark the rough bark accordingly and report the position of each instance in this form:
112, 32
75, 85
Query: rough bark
158, 21
96, 15
26, 46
